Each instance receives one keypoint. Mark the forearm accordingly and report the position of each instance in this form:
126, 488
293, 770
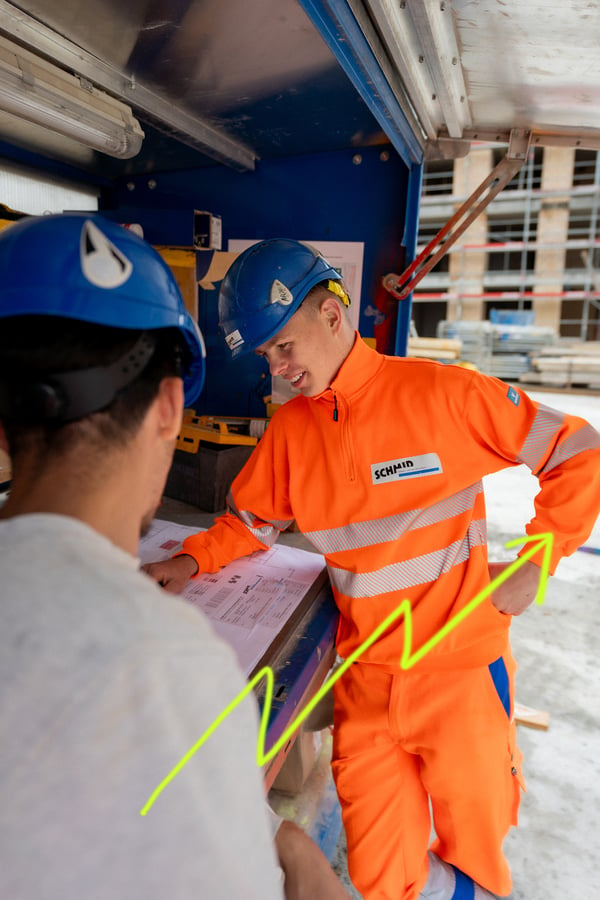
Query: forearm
568, 504
257, 510
561, 450
226, 540
308, 875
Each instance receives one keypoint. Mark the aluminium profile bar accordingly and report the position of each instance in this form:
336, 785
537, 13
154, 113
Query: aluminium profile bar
395, 25
432, 21
513, 246
409, 240
585, 139
185, 126
345, 36
591, 278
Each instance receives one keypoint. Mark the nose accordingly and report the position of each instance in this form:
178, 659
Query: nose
276, 365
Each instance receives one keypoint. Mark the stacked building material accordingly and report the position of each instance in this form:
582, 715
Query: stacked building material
568, 365
513, 345
499, 349
443, 349
476, 340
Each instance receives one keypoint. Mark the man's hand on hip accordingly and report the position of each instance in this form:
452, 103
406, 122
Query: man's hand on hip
518, 592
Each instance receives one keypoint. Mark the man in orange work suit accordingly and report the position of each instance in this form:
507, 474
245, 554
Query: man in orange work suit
380, 461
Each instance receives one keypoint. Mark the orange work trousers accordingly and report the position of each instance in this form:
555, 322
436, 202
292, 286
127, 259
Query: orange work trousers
407, 743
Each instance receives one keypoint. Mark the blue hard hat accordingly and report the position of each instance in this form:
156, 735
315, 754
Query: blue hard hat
264, 287
85, 267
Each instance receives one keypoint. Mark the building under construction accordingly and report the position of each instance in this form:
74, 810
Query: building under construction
535, 248
524, 276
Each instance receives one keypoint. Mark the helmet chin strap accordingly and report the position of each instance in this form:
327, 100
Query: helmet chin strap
67, 396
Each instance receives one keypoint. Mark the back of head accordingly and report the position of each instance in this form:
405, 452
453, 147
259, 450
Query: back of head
91, 320
266, 285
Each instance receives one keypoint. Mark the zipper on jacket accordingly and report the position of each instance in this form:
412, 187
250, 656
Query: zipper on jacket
346, 440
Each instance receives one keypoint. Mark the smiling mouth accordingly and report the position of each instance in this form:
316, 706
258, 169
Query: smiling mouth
297, 378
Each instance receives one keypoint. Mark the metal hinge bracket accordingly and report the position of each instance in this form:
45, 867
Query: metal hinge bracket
400, 286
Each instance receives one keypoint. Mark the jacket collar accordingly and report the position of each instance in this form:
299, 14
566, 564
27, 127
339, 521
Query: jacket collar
359, 367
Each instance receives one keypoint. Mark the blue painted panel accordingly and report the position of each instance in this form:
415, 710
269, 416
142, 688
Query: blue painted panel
231, 387
346, 195
411, 229
293, 680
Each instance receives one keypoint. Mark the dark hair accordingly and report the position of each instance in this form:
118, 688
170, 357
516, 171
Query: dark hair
35, 347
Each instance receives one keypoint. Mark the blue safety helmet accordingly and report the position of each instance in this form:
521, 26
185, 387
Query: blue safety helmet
264, 287
84, 267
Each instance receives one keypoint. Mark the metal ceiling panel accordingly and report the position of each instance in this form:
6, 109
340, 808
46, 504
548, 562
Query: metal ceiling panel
474, 69
531, 63
231, 79
238, 80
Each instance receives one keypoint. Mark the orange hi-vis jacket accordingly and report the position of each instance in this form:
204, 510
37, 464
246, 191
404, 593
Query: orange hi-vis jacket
383, 474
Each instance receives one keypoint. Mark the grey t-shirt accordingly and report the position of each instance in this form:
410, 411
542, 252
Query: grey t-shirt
106, 682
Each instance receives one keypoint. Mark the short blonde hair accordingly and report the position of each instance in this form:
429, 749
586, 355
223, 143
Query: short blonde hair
329, 288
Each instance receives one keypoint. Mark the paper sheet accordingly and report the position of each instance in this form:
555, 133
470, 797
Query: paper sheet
248, 601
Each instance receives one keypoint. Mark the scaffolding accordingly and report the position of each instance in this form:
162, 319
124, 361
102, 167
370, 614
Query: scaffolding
537, 246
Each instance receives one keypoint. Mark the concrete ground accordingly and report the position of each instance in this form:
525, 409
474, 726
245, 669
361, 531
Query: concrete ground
554, 854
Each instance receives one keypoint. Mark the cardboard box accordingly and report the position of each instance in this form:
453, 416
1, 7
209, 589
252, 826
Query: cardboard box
299, 763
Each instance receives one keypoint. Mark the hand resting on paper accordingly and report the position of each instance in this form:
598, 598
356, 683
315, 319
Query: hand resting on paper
172, 574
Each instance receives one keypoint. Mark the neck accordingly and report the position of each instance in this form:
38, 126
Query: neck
347, 341
111, 499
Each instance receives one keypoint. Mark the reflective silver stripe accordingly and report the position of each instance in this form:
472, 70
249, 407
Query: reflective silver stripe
391, 528
410, 572
545, 425
586, 438
268, 533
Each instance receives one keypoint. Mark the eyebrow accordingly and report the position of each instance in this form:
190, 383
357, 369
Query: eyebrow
278, 339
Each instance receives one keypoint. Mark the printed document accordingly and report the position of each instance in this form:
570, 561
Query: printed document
250, 600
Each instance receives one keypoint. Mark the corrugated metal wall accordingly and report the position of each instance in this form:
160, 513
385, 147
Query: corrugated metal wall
32, 192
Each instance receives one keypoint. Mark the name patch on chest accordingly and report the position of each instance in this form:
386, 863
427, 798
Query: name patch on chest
409, 467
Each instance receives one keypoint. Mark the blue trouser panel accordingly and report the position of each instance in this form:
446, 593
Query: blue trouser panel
465, 889
500, 679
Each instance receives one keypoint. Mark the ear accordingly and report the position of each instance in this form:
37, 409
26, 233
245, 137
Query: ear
169, 407
332, 314
3, 440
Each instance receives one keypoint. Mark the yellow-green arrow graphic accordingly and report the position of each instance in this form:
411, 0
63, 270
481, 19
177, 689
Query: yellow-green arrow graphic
539, 543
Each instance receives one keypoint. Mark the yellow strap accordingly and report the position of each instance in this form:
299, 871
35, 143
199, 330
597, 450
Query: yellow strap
336, 288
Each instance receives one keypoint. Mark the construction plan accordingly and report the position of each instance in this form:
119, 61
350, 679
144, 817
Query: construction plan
250, 600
